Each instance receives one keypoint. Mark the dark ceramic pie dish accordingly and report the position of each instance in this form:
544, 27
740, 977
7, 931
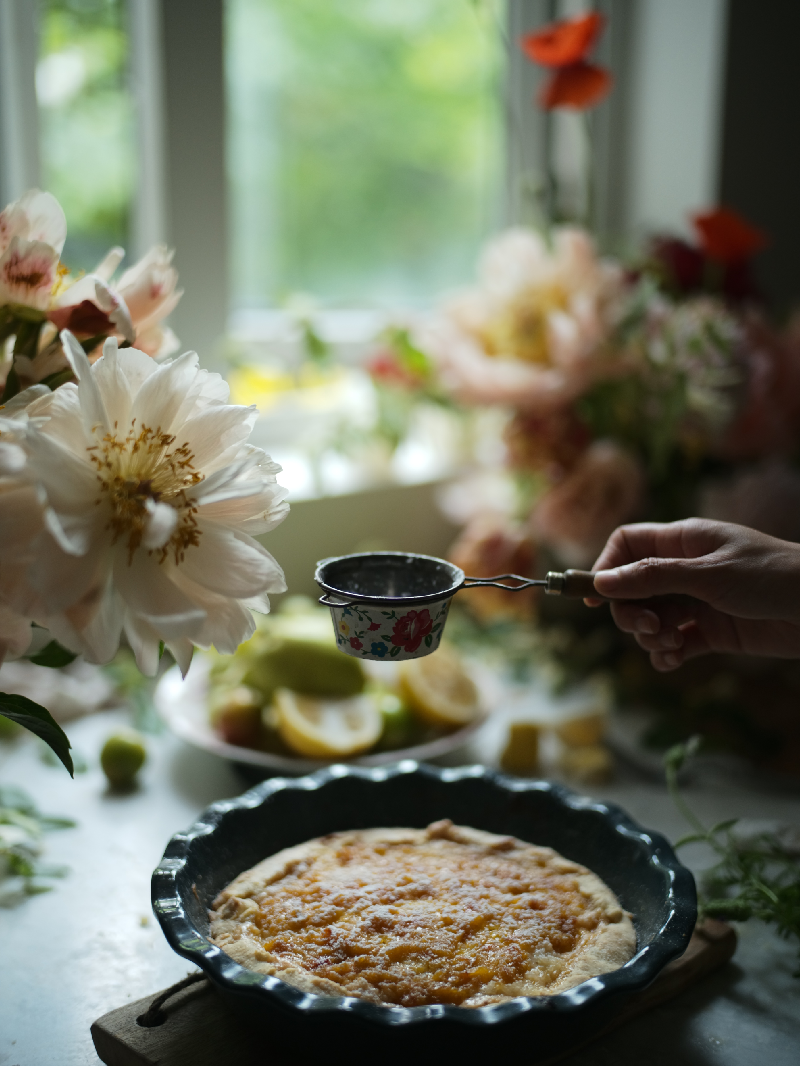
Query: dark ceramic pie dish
232, 835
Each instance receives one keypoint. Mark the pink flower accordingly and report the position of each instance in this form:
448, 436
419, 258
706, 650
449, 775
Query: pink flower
411, 628
576, 517
770, 413
533, 333
32, 233
494, 544
149, 288
356, 643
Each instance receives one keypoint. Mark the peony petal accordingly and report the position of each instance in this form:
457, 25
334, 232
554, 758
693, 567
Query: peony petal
182, 652
114, 306
27, 273
109, 263
160, 524
163, 395
254, 514
102, 634
15, 634
120, 375
151, 595
93, 411
61, 578
211, 432
231, 564
145, 644
36, 216
228, 622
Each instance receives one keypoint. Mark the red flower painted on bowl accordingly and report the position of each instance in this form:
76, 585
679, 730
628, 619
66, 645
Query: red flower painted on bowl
410, 630
374, 625
356, 643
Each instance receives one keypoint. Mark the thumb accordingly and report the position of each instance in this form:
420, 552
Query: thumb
653, 577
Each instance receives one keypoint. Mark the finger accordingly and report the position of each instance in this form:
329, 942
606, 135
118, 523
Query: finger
648, 616
669, 639
627, 544
632, 618
694, 644
656, 576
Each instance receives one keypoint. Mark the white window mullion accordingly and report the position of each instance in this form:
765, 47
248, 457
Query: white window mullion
19, 119
150, 224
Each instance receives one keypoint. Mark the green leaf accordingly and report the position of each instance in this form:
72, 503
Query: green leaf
53, 655
692, 838
39, 721
737, 910
428, 641
721, 827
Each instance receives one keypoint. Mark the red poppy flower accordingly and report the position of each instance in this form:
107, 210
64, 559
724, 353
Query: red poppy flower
356, 643
580, 86
561, 44
728, 237
411, 628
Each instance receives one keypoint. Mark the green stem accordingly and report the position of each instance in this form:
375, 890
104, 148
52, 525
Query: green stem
688, 813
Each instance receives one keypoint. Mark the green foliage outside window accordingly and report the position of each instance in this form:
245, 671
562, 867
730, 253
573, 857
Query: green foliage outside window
364, 147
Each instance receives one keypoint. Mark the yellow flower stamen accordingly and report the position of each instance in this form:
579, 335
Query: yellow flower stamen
140, 468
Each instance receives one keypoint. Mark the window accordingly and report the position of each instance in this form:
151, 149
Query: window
364, 147
86, 122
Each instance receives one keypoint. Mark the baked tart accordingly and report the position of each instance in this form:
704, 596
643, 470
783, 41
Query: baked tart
410, 917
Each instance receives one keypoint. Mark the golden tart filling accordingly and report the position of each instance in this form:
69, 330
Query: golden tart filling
410, 917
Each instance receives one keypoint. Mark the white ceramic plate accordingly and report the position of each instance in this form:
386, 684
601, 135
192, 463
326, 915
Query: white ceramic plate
182, 704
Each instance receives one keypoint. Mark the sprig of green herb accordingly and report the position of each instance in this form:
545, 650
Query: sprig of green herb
21, 830
758, 878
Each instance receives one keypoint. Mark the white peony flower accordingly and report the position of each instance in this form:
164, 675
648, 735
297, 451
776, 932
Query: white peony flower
32, 233
152, 498
21, 521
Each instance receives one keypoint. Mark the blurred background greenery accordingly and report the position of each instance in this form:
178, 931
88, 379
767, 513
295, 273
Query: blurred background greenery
364, 142
86, 116
364, 148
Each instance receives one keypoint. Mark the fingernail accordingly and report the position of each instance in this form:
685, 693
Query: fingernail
671, 658
646, 623
671, 638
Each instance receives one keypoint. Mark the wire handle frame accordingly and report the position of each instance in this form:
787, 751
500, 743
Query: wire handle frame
497, 582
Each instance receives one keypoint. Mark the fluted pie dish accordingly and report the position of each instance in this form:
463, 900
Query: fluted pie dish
604, 865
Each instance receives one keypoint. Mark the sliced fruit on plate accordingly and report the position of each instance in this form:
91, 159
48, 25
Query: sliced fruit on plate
236, 716
439, 690
327, 728
305, 666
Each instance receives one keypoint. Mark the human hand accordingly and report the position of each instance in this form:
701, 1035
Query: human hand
696, 586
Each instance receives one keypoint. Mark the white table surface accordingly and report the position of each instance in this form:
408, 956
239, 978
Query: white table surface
91, 944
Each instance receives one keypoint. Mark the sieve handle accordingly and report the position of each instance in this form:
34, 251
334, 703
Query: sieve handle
573, 584
497, 582
326, 601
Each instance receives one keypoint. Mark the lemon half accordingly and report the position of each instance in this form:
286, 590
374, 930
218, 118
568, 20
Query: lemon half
439, 690
327, 728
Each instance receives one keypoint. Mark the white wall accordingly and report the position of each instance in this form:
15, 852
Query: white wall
675, 112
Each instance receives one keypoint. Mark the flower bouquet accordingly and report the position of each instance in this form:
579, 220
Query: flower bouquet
647, 389
129, 494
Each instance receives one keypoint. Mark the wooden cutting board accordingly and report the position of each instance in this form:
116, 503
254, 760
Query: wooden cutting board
199, 1030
